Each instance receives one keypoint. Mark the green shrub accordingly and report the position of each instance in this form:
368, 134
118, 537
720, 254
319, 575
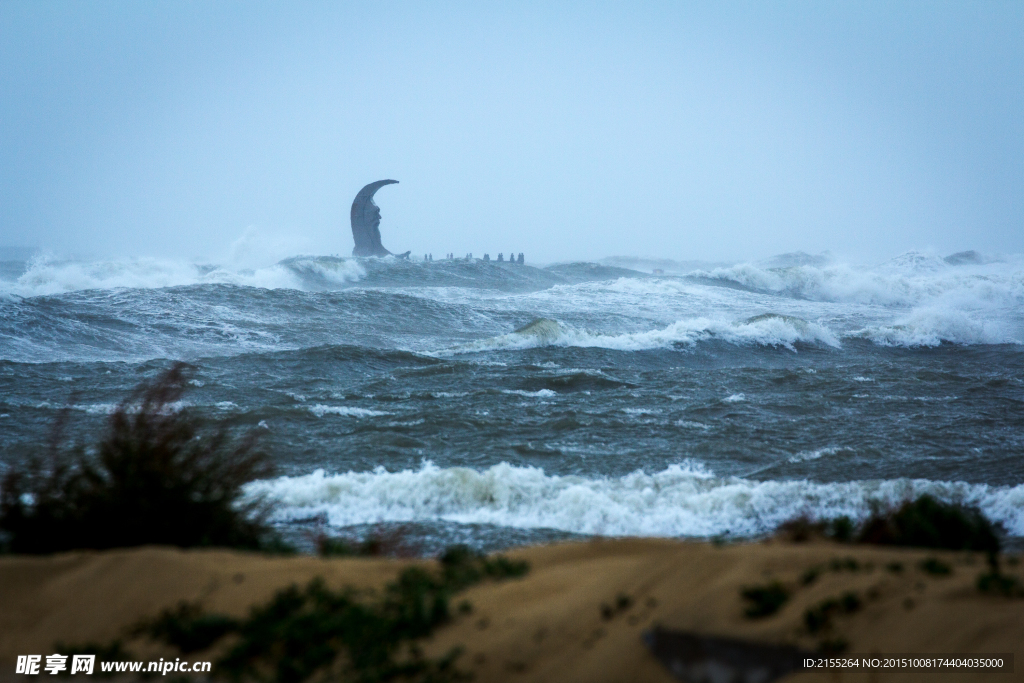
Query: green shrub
156, 477
819, 617
382, 541
187, 628
336, 547
930, 523
803, 528
810, 576
924, 522
764, 600
314, 633
935, 567
995, 583
303, 634
841, 529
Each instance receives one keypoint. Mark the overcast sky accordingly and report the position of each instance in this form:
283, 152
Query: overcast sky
714, 130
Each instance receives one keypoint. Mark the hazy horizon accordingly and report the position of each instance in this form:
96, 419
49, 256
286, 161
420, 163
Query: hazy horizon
581, 131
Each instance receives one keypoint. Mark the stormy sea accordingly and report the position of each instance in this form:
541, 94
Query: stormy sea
498, 404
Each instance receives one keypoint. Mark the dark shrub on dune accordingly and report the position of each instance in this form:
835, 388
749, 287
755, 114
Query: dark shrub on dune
924, 522
156, 477
929, 523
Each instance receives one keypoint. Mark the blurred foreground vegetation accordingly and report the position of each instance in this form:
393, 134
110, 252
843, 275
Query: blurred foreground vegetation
317, 634
924, 522
158, 475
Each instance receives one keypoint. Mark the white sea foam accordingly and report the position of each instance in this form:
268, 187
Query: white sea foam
934, 301
932, 325
817, 454
327, 270
764, 330
346, 411
111, 408
682, 500
540, 393
903, 280
690, 424
47, 275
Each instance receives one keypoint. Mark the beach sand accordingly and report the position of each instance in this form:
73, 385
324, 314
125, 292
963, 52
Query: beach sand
579, 614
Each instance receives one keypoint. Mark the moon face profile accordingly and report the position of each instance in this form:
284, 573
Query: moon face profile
366, 221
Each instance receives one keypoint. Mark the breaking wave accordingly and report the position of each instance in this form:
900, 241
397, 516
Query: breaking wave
910, 279
933, 325
682, 500
956, 300
763, 330
46, 275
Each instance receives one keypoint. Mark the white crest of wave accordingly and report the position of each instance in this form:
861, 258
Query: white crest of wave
979, 303
540, 393
254, 260
346, 411
763, 330
46, 276
332, 270
932, 325
681, 500
910, 279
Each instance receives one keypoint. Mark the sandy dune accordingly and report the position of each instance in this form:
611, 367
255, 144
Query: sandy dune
578, 615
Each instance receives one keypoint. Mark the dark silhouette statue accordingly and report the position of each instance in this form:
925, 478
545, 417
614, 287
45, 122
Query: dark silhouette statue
366, 222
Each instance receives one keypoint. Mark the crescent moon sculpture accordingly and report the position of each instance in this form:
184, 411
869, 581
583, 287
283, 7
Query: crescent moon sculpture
366, 222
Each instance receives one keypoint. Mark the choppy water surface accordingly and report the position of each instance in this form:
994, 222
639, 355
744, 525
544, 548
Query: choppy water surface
501, 404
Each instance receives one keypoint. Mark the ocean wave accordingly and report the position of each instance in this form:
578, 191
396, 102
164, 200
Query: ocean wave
685, 499
325, 270
763, 330
47, 276
933, 325
977, 302
909, 280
